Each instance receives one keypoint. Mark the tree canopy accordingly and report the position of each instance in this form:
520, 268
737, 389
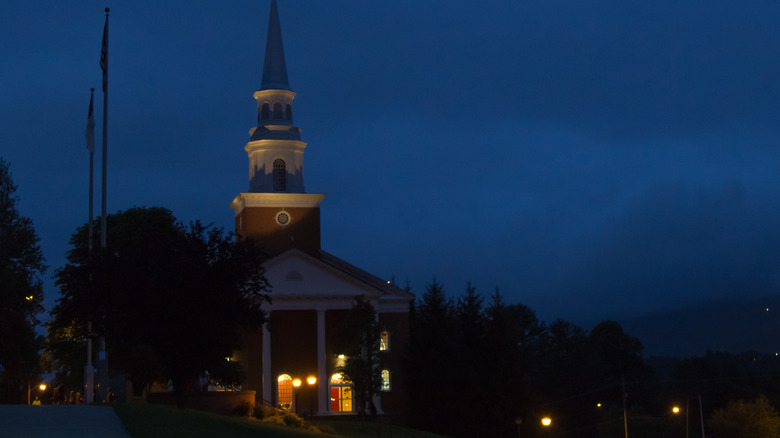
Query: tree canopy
358, 339
21, 293
740, 419
171, 300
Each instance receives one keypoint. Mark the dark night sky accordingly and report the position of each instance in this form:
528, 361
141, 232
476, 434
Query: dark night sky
593, 159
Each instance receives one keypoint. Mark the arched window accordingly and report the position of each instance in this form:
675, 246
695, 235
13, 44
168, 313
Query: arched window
278, 111
264, 111
288, 112
385, 380
280, 175
384, 341
284, 391
340, 394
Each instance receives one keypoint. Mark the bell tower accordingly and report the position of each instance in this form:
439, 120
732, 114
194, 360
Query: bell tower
277, 209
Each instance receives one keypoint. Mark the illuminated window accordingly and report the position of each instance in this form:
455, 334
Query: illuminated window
264, 112
278, 111
384, 341
340, 394
288, 113
385, 380
285, 391
280, 175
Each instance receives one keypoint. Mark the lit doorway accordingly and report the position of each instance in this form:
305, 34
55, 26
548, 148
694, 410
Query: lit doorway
340, 394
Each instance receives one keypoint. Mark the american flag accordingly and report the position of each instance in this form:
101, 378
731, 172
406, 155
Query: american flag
91, 126
104, 56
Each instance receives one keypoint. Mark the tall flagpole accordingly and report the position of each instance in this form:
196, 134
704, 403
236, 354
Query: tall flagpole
102, 385
89, 372
104, 67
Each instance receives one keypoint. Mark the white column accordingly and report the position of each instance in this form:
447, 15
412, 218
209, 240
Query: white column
267, 379
322, 377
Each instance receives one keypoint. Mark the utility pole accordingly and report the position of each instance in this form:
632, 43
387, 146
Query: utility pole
625, 416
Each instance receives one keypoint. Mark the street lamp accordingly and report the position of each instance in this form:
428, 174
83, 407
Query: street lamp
311, 381
296, 385
546, 421
676, 410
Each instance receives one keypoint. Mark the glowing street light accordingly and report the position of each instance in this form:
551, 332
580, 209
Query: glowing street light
311, 380
297, 383
676, 410
546, 421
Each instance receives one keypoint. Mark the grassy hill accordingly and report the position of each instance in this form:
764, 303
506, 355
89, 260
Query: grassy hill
157, 421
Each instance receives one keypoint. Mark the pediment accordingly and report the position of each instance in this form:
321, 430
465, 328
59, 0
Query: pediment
297, 276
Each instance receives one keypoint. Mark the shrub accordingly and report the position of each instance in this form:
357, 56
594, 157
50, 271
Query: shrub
262, 411
275, 419
292, 420
243, 409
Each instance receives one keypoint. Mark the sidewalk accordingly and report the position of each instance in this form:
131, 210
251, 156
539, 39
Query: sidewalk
60, 421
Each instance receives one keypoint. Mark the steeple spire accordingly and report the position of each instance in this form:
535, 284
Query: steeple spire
274, 68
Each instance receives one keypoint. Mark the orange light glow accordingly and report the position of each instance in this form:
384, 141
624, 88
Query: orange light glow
312, 380
297, 383
546, 421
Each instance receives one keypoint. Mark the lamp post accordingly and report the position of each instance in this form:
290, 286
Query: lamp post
676, 410
311, 381
296, 385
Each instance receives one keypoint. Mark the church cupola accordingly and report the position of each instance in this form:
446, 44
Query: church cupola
275, 148
277, 209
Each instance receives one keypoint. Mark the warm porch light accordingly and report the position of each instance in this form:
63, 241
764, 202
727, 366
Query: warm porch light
312, 380
297, 383
546, 421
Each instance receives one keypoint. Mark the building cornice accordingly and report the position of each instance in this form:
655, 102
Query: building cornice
277, 200
271, 92
275, 144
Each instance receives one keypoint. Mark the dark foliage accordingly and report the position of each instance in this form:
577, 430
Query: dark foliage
21, 295
495, 370
358, 339
171, 301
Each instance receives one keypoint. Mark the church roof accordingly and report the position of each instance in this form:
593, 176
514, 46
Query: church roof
274, 66
385, 286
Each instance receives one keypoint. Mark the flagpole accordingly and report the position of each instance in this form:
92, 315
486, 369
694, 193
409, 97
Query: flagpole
104, 66
89, 373
91, 149
102, 385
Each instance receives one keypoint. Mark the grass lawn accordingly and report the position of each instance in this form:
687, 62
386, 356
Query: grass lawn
357, 429
157, 421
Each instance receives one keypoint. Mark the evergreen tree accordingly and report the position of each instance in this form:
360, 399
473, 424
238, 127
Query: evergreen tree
358, 340
21, 294
432, 356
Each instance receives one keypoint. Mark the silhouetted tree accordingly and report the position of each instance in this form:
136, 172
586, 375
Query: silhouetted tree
358, 339
171, 300
21, 294
432, 352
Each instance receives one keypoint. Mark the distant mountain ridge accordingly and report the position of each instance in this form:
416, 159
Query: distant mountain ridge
732, 326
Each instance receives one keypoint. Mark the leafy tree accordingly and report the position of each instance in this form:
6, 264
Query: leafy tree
359, 337
172, 301
21, 294
746, 419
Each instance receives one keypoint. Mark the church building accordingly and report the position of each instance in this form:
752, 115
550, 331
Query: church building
292, 363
